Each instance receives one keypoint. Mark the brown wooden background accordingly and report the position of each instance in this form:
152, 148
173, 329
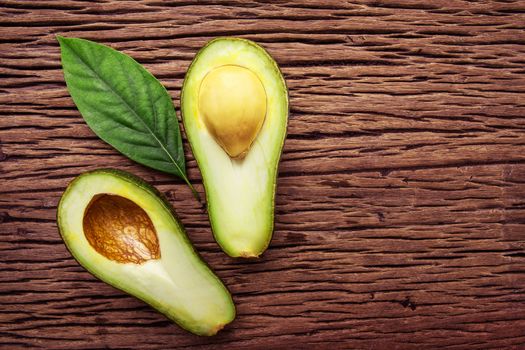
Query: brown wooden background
400, 217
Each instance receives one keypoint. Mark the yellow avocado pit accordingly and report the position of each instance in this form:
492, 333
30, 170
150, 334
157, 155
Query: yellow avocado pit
232, 103
120, 230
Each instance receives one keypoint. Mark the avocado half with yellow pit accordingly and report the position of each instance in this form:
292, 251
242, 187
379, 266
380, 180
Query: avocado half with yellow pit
234, 105
125, 233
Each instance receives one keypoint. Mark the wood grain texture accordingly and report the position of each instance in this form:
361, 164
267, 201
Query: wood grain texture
400, 214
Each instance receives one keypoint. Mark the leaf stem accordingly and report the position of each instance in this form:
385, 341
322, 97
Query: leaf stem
194, 191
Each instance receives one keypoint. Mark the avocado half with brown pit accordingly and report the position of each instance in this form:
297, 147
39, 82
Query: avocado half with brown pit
234, 105
125, 233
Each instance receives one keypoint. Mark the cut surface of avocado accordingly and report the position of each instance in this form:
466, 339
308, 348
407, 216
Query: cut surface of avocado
234, 105
125, 233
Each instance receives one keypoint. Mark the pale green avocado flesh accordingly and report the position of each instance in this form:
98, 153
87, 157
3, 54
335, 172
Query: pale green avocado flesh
240, 191
125, 233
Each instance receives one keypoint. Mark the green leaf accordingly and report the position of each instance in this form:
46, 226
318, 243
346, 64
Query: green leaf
124, 104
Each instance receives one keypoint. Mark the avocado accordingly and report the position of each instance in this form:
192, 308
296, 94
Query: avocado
234, 105
125, 233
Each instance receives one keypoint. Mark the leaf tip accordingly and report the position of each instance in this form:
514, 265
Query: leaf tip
65, 41
62, 41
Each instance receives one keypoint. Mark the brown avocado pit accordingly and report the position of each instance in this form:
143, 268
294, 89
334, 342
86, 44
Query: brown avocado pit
120, 230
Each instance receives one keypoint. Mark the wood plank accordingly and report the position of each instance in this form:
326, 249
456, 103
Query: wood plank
400, 212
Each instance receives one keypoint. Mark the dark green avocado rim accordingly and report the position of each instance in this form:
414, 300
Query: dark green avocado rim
287, 96
137, 181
